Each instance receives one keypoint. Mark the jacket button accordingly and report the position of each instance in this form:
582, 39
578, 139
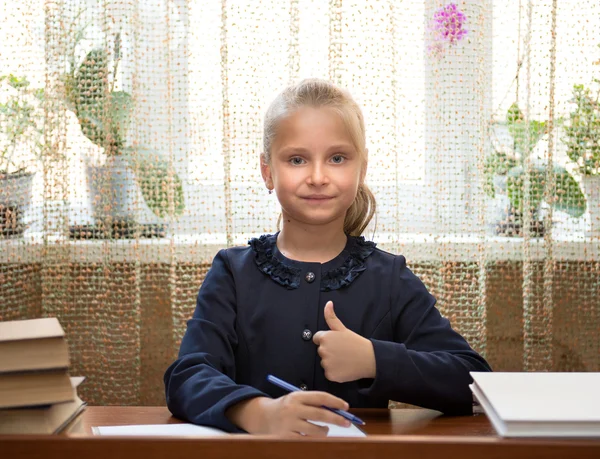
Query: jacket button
306, 335
310, 276
303, 386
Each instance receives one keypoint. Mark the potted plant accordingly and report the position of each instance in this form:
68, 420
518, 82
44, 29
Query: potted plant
506, 173
582, 138
104, 115
21, 131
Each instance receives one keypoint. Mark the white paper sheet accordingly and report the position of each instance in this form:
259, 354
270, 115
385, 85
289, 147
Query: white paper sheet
337, 431
159, 430
192, 430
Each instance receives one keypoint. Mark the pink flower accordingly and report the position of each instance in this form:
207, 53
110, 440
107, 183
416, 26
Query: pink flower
448, 25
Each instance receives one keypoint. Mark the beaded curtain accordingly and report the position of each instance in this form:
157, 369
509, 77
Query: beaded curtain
130, 140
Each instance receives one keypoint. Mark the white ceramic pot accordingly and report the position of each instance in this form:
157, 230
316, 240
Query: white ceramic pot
15, 190
591, 188
115, 195
497, 208
15, 197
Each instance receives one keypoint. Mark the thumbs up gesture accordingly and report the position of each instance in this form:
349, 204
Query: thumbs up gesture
345, 355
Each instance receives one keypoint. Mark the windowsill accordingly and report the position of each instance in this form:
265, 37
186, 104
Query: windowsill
419, 248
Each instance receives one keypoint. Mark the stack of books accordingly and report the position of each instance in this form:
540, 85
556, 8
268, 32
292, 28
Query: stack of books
37, 395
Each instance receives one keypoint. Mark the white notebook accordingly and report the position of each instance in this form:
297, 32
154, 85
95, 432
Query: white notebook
192, 430
540, 404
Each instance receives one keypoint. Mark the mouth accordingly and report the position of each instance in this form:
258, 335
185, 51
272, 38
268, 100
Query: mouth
317, 198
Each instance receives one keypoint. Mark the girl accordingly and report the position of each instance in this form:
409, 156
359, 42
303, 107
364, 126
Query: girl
315, 304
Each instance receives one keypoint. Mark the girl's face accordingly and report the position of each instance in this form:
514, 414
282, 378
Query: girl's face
314, 169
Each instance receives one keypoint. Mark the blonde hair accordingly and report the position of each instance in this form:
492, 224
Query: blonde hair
320, 93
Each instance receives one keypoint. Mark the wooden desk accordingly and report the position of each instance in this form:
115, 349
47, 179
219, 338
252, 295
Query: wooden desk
398, 434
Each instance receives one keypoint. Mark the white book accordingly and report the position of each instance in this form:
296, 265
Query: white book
192, 430
540, 404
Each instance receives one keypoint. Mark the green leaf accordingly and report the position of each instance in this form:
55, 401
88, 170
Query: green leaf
497, 163
152, 172
90, 120
91, 80
17, 83
583, 131
104, 115
119, 115
88, 92
569, 197
525, 135
106, 122
516, 187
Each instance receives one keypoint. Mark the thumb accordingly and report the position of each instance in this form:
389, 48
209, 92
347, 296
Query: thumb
332, 320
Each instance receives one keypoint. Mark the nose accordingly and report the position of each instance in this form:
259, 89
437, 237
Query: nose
318, 175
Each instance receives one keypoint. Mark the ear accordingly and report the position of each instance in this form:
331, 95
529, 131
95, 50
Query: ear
265, 170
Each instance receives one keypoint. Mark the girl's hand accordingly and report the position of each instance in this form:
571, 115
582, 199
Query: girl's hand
345, 355
289, 415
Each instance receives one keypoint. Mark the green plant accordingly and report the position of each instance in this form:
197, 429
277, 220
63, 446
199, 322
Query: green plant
583, 130
525, 135
21, 122
105, 116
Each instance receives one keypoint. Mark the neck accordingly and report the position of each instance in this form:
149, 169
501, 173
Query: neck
311, 243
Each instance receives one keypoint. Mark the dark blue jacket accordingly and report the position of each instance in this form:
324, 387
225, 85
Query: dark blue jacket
257, 311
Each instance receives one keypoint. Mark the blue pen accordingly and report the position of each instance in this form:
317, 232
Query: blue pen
291, 388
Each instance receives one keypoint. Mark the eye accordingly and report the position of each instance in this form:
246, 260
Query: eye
296, 161
338, 159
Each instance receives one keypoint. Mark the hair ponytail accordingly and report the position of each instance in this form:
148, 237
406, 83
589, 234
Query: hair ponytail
361, 211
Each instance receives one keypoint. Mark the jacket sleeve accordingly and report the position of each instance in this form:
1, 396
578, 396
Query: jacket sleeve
200, 385
428, 363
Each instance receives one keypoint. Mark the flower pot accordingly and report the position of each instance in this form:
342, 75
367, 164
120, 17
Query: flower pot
591, 188
513, 224
15, 197
115, 196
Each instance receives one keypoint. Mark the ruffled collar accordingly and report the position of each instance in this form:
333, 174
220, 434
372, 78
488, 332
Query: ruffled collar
337, 273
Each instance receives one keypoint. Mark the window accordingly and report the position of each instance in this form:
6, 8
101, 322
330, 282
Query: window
200, 87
